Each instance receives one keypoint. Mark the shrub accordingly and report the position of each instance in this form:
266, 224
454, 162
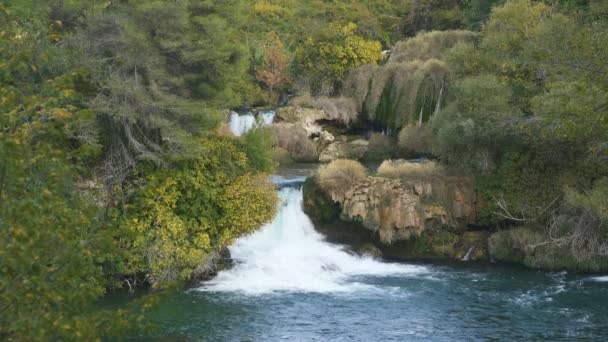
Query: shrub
380, 147
536, 249
294, 139
257, 145
405, 169
178, 219
357, 83
428, 45
304, 100
416, 139
337, 177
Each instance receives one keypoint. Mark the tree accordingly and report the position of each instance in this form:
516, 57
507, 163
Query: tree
176, 222
326, 59
273, 71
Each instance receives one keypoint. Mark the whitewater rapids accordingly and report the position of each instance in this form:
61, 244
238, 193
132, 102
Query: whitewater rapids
289, 255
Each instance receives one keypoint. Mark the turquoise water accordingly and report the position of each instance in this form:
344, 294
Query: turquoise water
449, 302
289, 284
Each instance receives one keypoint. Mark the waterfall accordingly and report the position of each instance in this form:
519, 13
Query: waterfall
438, 106
467, 256
240, 124
289, 255
267, 116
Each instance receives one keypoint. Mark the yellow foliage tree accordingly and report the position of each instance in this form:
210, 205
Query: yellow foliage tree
273, 70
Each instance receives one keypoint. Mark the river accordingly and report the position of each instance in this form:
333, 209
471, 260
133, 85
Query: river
288, 284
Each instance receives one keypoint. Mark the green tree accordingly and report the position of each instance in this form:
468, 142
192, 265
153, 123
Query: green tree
336, 51
177, 221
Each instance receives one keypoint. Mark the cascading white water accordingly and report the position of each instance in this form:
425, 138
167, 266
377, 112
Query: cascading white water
267, 117
240, 124
289, 255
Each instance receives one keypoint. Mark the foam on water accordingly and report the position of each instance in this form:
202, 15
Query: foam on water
289, 255
601, 279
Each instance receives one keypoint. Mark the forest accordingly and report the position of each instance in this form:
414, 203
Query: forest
118, 172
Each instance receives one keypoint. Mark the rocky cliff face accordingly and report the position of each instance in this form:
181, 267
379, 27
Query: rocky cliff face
410, 218
314, 122
399, 209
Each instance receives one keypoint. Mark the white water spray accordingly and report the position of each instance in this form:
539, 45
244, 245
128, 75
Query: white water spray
240, 124
289, 255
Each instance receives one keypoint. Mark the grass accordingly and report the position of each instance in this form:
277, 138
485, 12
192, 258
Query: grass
337, 177
404, 169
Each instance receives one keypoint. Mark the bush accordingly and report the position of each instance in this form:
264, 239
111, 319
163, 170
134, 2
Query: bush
304, 100
415, 139
535, 249
380, 147
404, 169
257, 144
295, 140
337, 177
179, 218
428, 45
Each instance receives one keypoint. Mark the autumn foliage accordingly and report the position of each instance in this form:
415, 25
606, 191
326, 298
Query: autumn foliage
273, 71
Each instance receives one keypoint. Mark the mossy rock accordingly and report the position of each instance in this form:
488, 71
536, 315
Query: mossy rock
478, 240
317, 204
530, 247
369, 250
431, 244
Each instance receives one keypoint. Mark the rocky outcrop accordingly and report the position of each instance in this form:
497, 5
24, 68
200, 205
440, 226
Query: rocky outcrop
342, 149
532, 247
422, 218
328, 146
295, 114
398, 209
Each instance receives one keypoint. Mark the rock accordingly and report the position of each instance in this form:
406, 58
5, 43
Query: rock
369, 250
398, 210
532, 247
295, 114
317, 204
340, 148
333, 151
478, 240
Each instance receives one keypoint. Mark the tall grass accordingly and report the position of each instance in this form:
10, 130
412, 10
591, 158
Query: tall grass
409, 170
337, 177
294, 140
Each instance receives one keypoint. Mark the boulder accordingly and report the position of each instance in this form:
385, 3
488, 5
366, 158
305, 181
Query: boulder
341, 149
295, 114
397, 210
333, 151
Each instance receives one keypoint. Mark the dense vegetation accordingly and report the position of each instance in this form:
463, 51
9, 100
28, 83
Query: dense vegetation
113, 171
116, 173
523, 106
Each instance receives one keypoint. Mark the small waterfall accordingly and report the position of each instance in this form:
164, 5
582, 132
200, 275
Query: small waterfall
289, 255
240, 124
467, 256
438, 105
267, 117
